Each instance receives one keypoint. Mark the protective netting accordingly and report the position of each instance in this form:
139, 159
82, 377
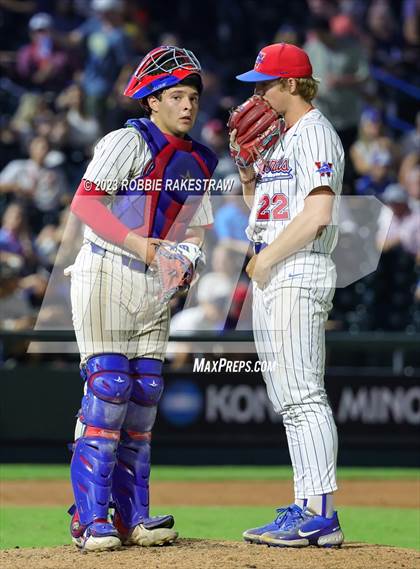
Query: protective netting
165, 59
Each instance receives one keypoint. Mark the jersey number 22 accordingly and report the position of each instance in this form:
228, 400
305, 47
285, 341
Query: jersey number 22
276, 208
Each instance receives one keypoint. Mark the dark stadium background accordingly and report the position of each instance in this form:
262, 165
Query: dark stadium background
60, 91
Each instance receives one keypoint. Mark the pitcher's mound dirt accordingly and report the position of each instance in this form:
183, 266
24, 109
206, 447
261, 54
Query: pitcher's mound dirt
201, 554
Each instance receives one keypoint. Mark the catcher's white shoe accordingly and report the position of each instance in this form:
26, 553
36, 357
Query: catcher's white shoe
149, 532
97, 537
150, 537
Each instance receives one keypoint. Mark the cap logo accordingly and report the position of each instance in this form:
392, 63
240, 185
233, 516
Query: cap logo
260, 59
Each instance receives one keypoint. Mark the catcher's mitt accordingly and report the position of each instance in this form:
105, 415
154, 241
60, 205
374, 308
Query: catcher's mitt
175, 266
258, 128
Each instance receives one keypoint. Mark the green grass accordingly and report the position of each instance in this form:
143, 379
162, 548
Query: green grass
208, 473
48, 526
35, 526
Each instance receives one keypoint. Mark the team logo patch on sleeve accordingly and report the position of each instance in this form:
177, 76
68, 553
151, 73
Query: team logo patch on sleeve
324, 168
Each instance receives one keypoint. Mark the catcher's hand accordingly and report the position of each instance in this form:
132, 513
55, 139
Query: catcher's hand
175, 266
257, 127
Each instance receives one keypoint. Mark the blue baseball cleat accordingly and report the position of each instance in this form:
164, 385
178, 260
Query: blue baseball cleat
306, 529
284, 516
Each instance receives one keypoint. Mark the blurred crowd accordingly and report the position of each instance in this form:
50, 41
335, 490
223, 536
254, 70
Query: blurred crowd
64, 66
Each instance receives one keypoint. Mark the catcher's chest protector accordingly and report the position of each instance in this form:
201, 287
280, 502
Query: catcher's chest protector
165, 208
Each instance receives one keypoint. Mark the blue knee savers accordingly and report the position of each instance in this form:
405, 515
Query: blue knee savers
130, 489
147, 390
108, 391
104, 406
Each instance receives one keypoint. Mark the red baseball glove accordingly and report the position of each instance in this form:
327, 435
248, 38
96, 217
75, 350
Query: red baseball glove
258, 129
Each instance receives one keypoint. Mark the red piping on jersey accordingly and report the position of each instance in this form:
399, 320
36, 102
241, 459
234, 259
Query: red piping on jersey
94, 213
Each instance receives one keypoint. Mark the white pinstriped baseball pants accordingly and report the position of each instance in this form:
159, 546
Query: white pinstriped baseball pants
289, 329
115, 309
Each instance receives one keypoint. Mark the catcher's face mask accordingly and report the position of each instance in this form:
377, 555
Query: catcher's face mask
162, 68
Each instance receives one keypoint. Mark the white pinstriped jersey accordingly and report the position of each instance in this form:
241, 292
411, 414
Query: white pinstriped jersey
309, 155
123, 155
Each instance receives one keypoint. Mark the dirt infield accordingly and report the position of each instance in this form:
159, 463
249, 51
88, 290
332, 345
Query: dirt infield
391, 493
203, 554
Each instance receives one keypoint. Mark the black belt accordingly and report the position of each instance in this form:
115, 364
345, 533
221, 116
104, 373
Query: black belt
130, 262
258, 246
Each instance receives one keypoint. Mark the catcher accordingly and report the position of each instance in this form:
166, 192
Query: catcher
142, 244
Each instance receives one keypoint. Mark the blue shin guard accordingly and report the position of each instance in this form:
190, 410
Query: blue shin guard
104, 406
130, 489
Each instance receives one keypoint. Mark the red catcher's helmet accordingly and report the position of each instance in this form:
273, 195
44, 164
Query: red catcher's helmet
161, 68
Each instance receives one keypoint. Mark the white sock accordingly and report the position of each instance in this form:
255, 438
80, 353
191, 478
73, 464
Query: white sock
301, 502
322, 505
